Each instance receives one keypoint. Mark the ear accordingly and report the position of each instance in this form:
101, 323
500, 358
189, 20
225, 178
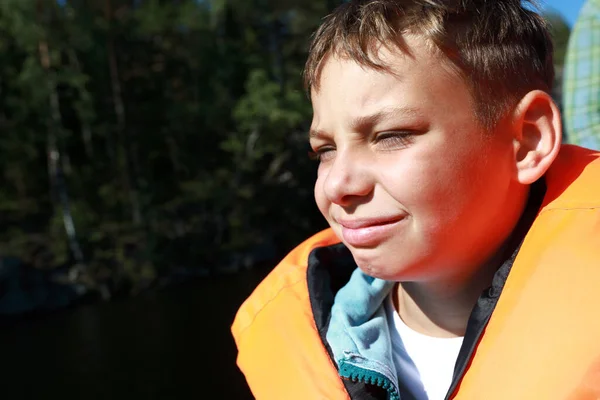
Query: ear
538, 135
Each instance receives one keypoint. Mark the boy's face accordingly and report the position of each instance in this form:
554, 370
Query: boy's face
408, 179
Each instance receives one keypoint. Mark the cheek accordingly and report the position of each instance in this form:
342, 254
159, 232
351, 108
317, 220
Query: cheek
434, 189
416, 182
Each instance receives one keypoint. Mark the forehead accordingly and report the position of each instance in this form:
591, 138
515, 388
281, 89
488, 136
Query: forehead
391, 57
417, 77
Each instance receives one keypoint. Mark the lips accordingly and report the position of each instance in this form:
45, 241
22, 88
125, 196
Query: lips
369, 232
367, 222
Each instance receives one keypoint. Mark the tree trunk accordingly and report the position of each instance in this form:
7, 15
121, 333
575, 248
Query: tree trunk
55, 174
123, 143
86, 130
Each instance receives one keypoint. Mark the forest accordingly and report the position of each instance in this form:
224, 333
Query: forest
141, 139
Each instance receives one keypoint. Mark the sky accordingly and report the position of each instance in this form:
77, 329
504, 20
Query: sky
568, 8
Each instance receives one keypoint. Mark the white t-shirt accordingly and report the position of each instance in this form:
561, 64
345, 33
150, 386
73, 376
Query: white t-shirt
424, 364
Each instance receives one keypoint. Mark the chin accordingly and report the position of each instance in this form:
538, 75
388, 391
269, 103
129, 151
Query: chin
386, 266
381, 273
376, 267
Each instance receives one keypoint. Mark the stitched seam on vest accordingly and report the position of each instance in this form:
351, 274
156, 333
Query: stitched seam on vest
274, 296
570, 208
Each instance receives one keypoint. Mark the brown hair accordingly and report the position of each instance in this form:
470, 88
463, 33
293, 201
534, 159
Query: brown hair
500, 47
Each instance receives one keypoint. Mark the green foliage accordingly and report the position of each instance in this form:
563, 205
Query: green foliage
169, 134
560, 32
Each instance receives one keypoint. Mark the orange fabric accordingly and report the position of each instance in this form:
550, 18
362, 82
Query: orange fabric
542, 341
280, 351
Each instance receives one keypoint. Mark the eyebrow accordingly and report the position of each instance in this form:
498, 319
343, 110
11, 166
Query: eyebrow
363, 121
383, 114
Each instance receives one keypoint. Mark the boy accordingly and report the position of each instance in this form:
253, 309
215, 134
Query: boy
462, 260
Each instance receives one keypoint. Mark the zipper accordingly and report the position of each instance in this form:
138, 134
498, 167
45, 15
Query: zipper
357, 374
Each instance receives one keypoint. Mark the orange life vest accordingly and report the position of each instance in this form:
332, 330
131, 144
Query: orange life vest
541, 342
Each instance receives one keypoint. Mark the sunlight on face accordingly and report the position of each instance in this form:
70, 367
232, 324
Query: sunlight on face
407, 178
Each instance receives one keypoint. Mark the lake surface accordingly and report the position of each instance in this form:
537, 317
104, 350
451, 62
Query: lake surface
168, 344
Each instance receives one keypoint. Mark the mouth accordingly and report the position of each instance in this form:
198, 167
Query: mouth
360, 223
369, 232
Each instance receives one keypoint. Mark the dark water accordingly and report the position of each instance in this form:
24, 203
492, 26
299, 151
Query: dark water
169, 344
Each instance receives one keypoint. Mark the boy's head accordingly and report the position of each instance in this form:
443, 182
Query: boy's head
431, 119
500, 48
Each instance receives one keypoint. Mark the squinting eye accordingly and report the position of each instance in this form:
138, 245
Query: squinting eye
394, 140
313, 155
322, 154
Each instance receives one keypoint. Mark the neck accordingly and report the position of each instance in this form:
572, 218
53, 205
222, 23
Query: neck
441, 309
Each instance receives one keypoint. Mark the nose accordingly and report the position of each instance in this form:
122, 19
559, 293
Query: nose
348, 179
